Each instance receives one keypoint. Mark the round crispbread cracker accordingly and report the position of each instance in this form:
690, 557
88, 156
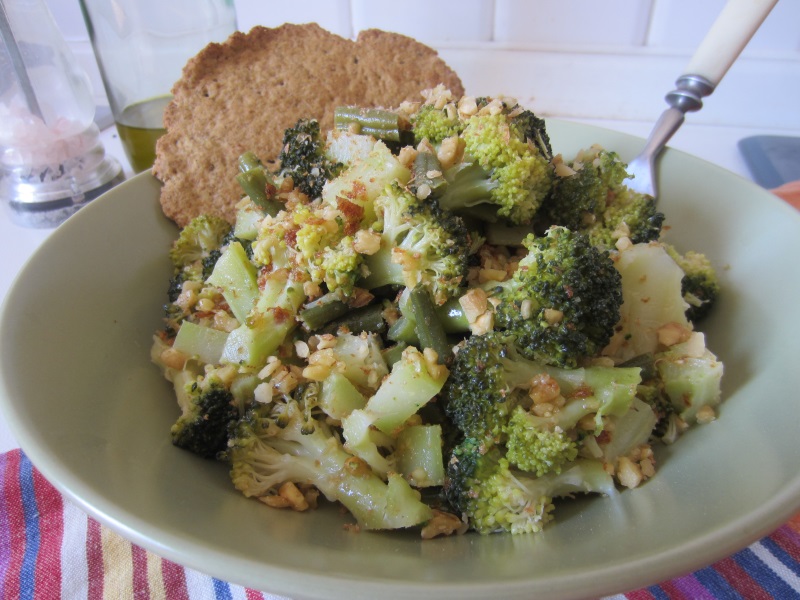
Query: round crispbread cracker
243, 93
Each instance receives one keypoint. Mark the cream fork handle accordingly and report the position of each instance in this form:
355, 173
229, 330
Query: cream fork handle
727, 37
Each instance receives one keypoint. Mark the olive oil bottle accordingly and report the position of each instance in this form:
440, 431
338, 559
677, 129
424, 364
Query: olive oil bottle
139, 126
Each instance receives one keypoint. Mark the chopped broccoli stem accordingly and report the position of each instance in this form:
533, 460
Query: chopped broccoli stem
198, 341
411, 384
339, 397
380, 124
236, 275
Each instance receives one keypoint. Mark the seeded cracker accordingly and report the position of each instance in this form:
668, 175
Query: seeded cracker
240, 95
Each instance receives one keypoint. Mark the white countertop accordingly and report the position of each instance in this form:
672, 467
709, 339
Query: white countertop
715, 144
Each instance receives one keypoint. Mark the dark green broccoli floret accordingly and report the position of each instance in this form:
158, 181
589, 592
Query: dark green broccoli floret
435, 124
494, 497
594, 200
563, 301
208, 412
303, 158
489, 379
502, 168
420, 244
276, 444
700, 284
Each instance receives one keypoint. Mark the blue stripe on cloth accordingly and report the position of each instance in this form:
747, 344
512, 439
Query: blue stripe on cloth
784, 557
764, 575
658, 593
716, 584
222, 590
27, 576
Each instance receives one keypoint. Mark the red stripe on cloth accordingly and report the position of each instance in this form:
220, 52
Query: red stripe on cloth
740, 580
51, 534
672, 591
639, 595
174, 580
141, 585
12, 493
94, 559
253, 595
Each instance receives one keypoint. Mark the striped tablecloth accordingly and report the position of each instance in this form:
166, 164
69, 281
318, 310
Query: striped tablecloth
49, 548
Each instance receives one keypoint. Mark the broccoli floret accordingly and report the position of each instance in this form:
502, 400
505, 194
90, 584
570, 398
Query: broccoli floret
489, 379
420, 244
198, 239
500, 168
325, 247
700, 284
274, 445
590, 197
208, 411
303, 158
435, 124
494, 497
563, 301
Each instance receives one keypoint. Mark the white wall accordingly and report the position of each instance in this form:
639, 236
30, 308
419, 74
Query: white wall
609, 59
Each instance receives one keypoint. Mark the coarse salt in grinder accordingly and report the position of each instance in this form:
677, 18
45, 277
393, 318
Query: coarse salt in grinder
52, 161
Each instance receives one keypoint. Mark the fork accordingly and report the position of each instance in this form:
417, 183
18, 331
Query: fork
730, 33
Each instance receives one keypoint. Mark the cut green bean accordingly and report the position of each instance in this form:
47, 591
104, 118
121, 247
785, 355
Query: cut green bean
258, 184
367, 319
380, 124
429, 329
428, 179
404, 330
323, 310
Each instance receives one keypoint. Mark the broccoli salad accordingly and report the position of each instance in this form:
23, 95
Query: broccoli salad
426, 316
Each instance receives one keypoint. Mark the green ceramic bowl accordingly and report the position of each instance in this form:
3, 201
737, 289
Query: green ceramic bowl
93, 414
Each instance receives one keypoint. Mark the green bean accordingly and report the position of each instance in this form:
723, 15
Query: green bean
429, 329
323, 310
367, 319
404, 330
380, 124
258, 184
427, 171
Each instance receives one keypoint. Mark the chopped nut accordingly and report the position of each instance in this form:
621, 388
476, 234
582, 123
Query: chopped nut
543, 388
443, 523
301, 348
273, 364
450, 151
623, 243
629, 473
406, 156
486, 275
474, 303
705, 415
673, 333
423, 191
174, 359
